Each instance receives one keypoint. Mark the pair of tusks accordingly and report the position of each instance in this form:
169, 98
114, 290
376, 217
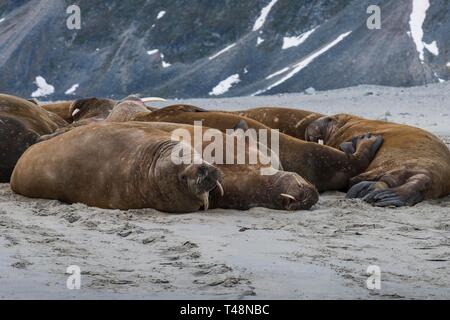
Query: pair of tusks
205, 196
144, 100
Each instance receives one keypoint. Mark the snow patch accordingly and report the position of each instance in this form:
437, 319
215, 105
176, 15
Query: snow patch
44, 89
304, 63
164, 63
259, 40
161, 14
222, 51
2, 19
432, 47
152, 52
289, 42
72, 89
448, 64
416, 20
277, 73
225, 85
263, 16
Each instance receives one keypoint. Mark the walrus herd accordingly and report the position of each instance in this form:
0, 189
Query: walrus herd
127, 155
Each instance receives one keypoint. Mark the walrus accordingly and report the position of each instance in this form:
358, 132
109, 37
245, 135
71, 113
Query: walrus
90, 110
411, 166
290, 121
129, 165
114, 166
325, 167
244, 185
62, 109
126, 109
21, 124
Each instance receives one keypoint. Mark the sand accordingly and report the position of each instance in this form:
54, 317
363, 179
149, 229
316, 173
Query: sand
322, 253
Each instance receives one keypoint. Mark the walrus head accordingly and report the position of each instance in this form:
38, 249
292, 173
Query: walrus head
196, 178
91, 108
292, 192
321, 130
200, 179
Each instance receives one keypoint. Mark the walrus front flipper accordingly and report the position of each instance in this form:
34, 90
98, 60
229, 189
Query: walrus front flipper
15, 139
389, 193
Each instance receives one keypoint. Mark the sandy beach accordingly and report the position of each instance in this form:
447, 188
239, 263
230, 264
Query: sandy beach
322, 253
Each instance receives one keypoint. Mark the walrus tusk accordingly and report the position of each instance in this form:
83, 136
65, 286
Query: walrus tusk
205, 198
75, 112
320, 141
220, 188
288, 196
152, 99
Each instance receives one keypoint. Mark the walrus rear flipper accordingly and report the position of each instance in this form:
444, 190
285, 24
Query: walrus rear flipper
15, 138
395, 189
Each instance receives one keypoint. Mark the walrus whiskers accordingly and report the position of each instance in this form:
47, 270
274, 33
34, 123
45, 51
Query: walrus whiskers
298, 181
288, 196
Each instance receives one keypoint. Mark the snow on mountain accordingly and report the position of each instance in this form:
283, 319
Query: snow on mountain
289, 42
182, 49
225, 85
263, 15
44, 89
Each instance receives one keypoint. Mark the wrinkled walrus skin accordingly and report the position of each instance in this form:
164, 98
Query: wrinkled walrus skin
290, 121
325, 167
114, 166
412, 165
21, 124
245, 187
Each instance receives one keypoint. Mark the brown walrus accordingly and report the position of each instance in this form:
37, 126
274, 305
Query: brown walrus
90, 110
325, 167
126, 109
290, 121
244, 185
114, 166
21, 124
412, 165
128, 165
62, 109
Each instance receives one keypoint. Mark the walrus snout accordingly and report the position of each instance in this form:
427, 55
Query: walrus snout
200, 179
299, 194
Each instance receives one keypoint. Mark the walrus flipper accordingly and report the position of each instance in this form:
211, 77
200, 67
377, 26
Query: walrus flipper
387, 194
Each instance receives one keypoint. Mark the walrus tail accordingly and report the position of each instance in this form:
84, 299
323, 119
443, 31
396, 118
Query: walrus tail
16, 139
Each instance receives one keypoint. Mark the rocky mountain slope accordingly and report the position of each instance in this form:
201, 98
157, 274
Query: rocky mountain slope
201, 48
